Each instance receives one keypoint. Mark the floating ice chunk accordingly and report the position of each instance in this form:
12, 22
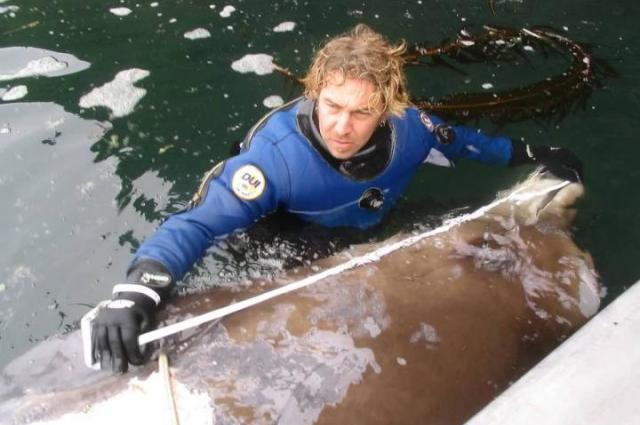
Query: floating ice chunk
227, 11
260, 63
197, 33
15, 93
119, 95
10, 9
273, 101
40, 66
24, 62
284, 26
120, 11
487, 86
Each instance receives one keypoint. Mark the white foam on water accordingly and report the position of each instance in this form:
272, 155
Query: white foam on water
119, 95
24, 62
197, 33
273, 101
120, 11
15, 93
284, 26
227, 11
10, 8
260, 63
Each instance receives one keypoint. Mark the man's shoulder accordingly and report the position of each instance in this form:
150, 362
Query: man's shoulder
278, 125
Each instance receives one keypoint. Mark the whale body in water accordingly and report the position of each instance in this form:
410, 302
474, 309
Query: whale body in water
428, 333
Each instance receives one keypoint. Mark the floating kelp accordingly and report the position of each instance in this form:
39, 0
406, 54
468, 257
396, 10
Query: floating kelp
552, 98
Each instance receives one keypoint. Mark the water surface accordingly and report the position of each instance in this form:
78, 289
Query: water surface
81, 185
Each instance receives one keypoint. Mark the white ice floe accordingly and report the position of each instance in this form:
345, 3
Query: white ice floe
227, 11
25, 62
487, 86
260, 63
120, 11
10, 8
284, 26
15, 93
273, 101
197, 33
119, 95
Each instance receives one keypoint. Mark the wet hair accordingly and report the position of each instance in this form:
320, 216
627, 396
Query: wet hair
362, 53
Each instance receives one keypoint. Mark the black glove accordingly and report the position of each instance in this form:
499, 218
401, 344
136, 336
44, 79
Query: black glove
131, 312
116, 329
560, 162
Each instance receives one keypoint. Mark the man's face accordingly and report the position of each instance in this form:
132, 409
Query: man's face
345, 116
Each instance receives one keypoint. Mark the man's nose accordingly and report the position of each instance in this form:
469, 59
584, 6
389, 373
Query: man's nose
343, 123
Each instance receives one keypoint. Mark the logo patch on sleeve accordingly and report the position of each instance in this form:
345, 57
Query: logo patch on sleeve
427, 121
248, 182
445, 134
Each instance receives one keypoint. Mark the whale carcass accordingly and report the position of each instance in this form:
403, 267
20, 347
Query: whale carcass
428, 333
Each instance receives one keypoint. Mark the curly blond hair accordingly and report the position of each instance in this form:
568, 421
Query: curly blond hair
363, 53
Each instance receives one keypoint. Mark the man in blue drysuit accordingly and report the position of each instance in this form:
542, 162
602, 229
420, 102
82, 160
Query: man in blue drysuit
341, 155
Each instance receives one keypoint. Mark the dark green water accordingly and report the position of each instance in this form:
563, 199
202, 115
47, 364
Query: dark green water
79, 193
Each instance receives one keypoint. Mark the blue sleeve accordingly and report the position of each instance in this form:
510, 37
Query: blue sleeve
250, 186
473, 144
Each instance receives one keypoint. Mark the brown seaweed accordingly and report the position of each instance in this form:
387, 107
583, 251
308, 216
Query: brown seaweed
552, 98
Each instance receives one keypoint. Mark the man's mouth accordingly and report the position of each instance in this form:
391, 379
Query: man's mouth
341, 142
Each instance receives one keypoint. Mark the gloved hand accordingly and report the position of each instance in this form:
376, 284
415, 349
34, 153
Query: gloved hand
116, 329
117, 325
560, 162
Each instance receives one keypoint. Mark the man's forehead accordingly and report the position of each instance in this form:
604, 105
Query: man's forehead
356, 93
